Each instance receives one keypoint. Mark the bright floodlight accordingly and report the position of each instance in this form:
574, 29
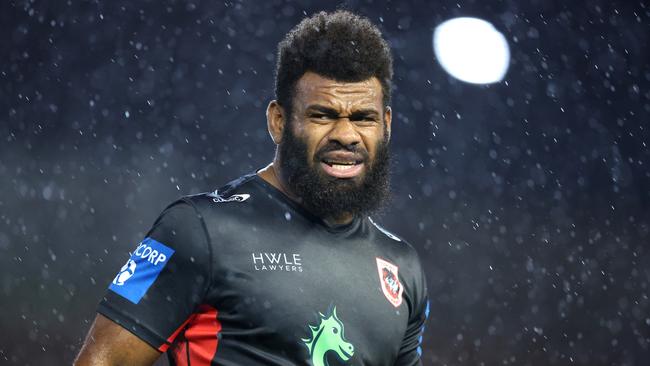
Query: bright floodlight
472, 50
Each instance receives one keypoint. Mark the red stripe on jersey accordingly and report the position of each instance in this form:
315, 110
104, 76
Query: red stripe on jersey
170, 340
201, 336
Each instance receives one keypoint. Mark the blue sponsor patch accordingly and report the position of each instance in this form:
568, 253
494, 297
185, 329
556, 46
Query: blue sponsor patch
141, 270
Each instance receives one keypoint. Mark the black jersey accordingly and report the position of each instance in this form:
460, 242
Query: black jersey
244, 276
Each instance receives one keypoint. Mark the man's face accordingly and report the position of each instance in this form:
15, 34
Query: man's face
334, 150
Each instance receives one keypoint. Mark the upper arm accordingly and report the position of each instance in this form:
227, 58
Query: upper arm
108, 343
159, 288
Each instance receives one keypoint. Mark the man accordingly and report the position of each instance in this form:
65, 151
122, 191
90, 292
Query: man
283, 267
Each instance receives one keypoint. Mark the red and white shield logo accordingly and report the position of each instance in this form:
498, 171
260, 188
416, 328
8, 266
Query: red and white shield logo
390, 284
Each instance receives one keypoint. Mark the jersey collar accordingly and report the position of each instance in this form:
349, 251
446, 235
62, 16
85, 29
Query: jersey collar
336, 229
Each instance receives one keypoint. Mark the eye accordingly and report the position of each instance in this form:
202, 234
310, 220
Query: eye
320, 116
335, 330
364, 119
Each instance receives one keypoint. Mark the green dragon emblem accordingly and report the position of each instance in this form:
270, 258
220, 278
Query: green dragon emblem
328, 336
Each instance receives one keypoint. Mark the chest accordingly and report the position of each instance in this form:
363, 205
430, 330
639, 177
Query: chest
307, 292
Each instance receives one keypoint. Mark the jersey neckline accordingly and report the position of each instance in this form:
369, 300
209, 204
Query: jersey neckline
335, 229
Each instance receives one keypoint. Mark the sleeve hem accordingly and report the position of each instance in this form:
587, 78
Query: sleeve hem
132, 325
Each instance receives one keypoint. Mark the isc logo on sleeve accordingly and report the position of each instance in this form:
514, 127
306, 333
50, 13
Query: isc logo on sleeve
141, 270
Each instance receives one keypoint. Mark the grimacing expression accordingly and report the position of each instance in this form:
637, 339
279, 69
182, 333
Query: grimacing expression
326, 112
334, 149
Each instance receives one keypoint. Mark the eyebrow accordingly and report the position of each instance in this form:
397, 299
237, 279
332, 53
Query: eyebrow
334, 112
365, 112
322, 109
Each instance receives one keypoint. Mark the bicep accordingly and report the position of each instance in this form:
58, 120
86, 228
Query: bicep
108, 343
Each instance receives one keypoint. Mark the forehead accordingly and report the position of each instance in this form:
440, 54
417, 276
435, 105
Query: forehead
312, 88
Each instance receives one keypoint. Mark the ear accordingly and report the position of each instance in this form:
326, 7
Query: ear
388, 117
275, 121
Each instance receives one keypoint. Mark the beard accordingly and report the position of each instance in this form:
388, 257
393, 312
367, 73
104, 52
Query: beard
327, 196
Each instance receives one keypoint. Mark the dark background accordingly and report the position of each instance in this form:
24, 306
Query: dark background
527, 199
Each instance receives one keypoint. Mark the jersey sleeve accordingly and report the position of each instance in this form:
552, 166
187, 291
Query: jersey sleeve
165, 278
411, 347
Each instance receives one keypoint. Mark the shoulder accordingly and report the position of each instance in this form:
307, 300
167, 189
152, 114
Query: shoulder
397, 247
403, 261
390, 237
241, 202
191, 219
241, 190
193, 208
385, 232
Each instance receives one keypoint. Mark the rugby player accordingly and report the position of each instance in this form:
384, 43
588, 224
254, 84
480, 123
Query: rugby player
283, 266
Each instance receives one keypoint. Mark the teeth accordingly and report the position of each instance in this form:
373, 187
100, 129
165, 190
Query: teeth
341, 167
340, 163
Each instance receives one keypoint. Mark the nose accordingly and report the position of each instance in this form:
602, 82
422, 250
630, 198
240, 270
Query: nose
344, 132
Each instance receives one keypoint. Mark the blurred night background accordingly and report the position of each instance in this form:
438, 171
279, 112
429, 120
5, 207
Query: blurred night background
528, 200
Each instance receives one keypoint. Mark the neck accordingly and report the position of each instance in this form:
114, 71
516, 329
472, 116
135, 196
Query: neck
272, 176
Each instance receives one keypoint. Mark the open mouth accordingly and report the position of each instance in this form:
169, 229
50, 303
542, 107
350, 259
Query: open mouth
342, 164
341, 168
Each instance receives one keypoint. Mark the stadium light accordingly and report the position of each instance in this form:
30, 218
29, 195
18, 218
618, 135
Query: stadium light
471, 50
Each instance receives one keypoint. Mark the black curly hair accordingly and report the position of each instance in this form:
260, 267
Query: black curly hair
340, 45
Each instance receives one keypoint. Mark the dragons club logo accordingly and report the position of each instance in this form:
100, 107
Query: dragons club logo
328, 335
390, 284
126, 272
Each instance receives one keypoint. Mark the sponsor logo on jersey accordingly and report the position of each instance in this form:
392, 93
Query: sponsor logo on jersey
217, 198
328, 337
125, 273
141, 270
263, 261
389, 280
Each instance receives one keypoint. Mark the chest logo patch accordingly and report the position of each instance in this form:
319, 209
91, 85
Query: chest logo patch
389, 280
328, 336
